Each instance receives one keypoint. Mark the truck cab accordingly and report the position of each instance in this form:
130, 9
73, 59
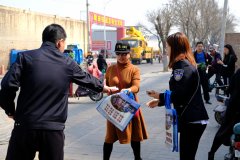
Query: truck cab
139, 47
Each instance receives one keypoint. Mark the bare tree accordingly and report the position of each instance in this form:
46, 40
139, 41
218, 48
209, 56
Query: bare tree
231, 23
201, 20
185, 12
161, 21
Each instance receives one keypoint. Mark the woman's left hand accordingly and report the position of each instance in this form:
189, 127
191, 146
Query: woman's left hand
153, 103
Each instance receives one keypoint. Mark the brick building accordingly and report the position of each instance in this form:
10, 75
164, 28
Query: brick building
234, 40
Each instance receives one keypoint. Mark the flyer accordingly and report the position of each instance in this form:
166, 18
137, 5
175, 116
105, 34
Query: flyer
119, 109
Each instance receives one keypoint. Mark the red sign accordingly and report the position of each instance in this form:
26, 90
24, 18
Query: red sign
98, 45
99, 19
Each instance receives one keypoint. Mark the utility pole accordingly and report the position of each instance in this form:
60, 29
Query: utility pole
223, 27
104, 35
88, 32
104, 29
84, 30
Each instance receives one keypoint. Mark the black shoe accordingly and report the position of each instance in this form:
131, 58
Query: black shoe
208, 102
210, 156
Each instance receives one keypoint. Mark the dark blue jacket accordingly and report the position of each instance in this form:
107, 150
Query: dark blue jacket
183, 84
44, 76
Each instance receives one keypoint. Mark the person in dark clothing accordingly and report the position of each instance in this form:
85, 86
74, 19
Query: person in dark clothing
186, 96
228, 63
215, 68
102, 64
232, 116
203, 60
43, 76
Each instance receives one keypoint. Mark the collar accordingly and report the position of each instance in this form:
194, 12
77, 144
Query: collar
49, 44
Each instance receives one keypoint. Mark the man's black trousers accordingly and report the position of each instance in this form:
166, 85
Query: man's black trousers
204, 83
24, 143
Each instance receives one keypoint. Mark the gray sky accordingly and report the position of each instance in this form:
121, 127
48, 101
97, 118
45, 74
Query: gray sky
132, 11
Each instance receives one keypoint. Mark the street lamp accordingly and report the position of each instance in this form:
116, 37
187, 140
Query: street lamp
104, 29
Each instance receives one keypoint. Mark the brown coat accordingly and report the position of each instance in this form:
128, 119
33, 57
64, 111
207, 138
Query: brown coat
130, 78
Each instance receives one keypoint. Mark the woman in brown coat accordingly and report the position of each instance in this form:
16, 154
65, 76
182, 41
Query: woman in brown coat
125, 76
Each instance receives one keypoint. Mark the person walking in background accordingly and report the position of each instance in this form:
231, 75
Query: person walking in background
186, 96
203, 59
228, 64
215, 68
232, 116
102, 64
125, 76
43, 76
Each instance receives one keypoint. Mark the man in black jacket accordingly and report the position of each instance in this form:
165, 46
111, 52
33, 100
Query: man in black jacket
44, 76
203, 60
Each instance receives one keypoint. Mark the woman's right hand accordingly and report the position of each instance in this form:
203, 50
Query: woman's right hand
153, 103
153, 94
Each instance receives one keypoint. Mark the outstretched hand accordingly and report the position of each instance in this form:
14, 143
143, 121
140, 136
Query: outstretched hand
109, 90
153, 94
153, 103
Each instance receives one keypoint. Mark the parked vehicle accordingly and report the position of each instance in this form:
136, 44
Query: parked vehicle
221, 108
234, 149
139, 47
214, 84
83, 92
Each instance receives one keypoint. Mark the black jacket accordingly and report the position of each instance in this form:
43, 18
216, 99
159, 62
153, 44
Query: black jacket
183, 84
233, 109
229, 65
44, 76
102, 64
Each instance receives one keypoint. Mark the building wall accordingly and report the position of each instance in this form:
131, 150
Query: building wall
234, 40
111, 35
22, 29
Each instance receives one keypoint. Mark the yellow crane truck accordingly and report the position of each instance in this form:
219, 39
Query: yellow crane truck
139, 48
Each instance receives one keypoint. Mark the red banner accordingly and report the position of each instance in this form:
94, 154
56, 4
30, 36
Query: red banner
99, 19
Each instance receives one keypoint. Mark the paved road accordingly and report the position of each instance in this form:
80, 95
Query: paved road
85, 127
